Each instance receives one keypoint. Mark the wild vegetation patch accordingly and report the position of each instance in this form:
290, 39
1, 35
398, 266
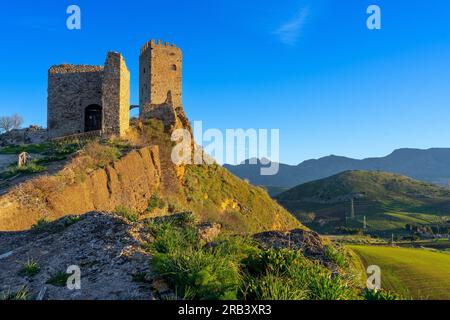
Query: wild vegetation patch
30, 269
102, 154
155, 202
42, 225
21, 294
235, 267
59, 279
30, 168
129, 214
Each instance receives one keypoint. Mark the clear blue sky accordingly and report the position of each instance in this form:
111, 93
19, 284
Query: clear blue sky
308, 67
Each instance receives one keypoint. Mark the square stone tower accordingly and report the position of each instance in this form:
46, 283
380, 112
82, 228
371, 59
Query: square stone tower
116, 95
160, 74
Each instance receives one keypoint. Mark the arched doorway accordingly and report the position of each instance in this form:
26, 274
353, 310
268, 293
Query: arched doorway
93, 118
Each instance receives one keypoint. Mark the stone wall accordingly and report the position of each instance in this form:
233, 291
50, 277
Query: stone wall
160, 72
116, 95
71, 88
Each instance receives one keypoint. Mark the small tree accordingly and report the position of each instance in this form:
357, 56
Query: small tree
17, 121
8, 123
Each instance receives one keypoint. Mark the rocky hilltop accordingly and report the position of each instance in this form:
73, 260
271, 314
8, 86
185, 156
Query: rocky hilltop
140, 227
130, 174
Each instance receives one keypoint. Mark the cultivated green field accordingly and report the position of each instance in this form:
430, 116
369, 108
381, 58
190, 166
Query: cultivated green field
413, 273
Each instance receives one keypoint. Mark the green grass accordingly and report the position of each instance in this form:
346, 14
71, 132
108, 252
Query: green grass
336, 256
127, 213
236, 268
49, 153
155, 202
413, 273
30, 168
59, 279
21, 294
71, 220
42, 225
50, 148
103, 155
32, 148
30, 269
218, 196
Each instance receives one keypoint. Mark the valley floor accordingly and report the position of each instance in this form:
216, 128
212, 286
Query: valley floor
413, 273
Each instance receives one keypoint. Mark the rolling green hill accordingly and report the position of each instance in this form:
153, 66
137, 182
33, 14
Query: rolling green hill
388, 201
413, 273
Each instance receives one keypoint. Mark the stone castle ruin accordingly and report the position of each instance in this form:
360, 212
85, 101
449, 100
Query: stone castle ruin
86, 99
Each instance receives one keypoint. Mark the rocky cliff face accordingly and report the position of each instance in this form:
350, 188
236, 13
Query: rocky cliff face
209, 191
129, 182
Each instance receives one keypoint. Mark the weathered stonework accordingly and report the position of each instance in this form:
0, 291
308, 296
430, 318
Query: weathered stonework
96, 99
71, 89
116, 95
85, 98
160, 73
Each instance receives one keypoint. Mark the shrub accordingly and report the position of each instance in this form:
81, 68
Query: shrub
127, 213
70, 220
169, 239
379, 295
235, 268
270, 261
155, 203
205, 274
336, 256
30, 168
119, 144
65, 148
59, 279
21, 294
286, 274
42, 225
196, 272
102, 154
325, 287
30, 269
273, 286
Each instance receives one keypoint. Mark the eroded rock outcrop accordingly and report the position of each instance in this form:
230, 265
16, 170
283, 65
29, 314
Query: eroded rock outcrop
129, 182
105, 247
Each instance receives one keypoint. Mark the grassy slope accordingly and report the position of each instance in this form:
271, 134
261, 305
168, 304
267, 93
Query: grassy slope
212, 192
415, 273
217, 195
389, 201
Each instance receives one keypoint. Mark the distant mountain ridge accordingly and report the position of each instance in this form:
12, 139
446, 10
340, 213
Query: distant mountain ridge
431, 165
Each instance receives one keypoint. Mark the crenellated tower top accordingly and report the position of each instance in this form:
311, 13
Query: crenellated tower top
160, 66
